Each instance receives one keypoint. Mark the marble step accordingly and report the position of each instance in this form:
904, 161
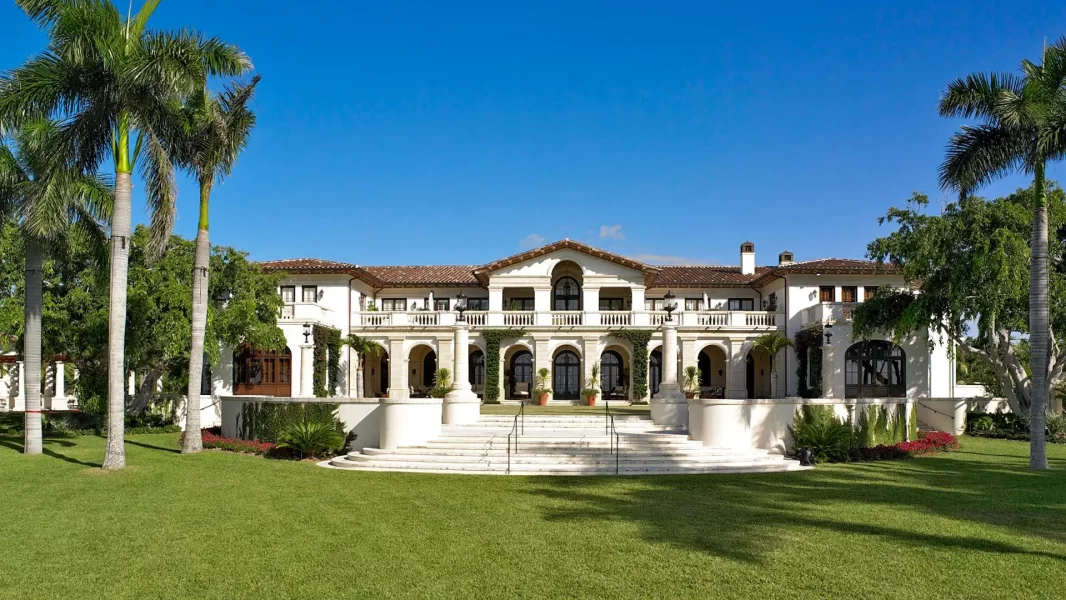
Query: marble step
564, 452
500, 468
602, 459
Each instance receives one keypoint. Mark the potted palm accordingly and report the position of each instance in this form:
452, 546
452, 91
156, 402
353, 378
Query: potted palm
690, 383
442, 383
592, 386
542, 390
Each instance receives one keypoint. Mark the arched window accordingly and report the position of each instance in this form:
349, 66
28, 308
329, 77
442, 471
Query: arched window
566, 376
522, 373
477, 369
612, 376
655, 370
262, 372
567, 294
875, 369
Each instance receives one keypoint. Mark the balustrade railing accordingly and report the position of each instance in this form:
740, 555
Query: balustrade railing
760, 319
657, 317
287, 313
566, 317
375, 319
616, 317
476, 319
712, 319
519, 318
423, 319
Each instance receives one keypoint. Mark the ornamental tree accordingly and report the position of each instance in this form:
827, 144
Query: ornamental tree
967, 269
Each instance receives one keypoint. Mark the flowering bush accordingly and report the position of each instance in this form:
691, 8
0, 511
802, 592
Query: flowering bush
933, 441
212, 440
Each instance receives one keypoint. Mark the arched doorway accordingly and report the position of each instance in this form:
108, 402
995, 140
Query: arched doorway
875, 369
612, 375
655, 370
262, 372
712, 364
476, 370
422, 369
566, 375
757, 371
521, 383
383, 379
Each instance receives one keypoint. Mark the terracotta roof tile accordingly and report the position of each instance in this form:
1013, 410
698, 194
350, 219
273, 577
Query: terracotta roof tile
443, 275
306, 265
839, 265
705, 276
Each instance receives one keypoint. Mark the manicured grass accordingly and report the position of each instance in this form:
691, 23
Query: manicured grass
971, 524
619, 408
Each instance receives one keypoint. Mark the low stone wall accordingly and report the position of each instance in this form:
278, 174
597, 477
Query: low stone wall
361, 415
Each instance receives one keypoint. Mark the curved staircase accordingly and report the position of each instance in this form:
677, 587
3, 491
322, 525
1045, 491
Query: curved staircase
563, 445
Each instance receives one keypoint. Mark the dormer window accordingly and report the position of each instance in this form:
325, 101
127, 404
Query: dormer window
310, 293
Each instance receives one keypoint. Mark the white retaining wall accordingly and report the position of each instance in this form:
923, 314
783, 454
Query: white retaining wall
361, 415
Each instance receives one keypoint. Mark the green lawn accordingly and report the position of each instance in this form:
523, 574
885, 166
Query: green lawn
972, 524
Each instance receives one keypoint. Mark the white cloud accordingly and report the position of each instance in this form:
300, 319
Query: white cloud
660, 259
612, 231
531, 241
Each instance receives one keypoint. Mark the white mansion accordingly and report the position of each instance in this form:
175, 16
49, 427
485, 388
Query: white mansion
567, 298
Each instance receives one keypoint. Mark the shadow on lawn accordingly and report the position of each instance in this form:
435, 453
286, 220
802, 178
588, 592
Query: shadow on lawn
47, 450
153, 446
744, 517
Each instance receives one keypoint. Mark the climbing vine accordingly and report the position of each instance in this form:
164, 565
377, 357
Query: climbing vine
327, 353
809, 350
493, 338
639, 339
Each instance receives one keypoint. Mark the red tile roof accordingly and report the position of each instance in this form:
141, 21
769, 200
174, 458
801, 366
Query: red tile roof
665, 276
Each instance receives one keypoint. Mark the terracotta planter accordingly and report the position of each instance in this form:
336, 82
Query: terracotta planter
542, 400
592, 399
690, 395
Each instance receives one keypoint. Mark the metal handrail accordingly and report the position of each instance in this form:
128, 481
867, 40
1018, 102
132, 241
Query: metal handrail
516, 431
917, 403
612, 433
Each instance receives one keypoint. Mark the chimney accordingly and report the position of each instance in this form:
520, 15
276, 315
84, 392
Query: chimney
747, 258
785, 258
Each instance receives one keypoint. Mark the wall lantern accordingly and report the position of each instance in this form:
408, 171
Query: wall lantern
828, 333
460, 305
669, 305
307, 332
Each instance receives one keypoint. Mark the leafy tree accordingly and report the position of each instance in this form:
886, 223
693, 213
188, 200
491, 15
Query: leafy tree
111, 80
1022, 127
968, 267
243, 310
53, 201
212, 132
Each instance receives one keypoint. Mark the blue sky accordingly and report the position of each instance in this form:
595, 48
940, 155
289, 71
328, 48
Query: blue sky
444, 133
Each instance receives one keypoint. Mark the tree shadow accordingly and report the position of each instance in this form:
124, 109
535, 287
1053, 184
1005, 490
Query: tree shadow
745, 517
153, 446
46, 449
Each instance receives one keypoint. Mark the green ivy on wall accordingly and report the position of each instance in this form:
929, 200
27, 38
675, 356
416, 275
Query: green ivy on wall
809, 350
327, 353
639, 339
493, 338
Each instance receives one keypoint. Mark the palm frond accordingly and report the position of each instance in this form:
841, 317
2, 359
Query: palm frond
976, 95
978, 155
158, 173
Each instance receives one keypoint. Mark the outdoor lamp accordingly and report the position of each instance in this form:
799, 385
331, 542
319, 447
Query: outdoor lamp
223, 296
669, 305
460, 305
828, 332
307, 332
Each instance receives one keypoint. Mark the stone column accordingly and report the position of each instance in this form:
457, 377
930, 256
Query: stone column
307, 370
737, 371
669, 407
398, 365
20, 399
461, 405
61, 383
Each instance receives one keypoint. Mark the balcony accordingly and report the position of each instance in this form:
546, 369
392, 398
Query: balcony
304, 311
829, 312
751, 320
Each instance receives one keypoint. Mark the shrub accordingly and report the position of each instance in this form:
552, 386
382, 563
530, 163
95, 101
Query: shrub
265, 421
213, 440
311, 439
818, 428
934, 441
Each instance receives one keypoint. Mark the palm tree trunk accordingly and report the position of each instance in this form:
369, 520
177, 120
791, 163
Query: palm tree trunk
115, 454
1038, 323
193, 439
32, 346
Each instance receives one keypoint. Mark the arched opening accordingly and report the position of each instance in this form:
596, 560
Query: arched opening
476, 370
520, 374
566, 375
612, 375
712, 365
757, 371
566, 286
655, 370
422, 362
875, 369
262, 372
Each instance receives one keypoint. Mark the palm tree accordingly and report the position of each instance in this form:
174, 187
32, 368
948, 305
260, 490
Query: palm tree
54, 202
112, 81
773, 343
1022, 127
690, 380
212, 132
363, 348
